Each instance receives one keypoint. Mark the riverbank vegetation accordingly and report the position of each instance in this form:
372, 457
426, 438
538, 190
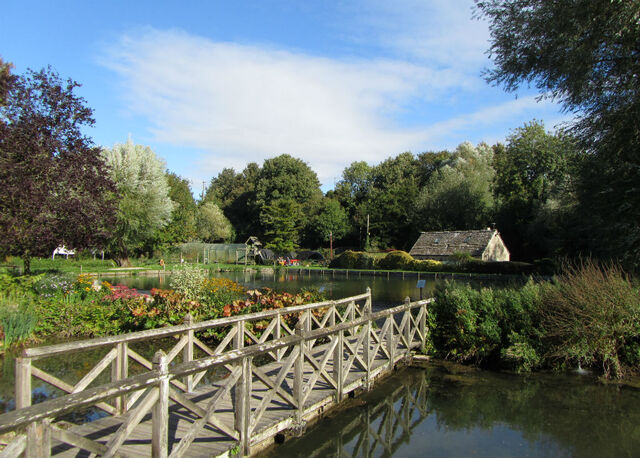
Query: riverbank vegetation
587, 317
45, 306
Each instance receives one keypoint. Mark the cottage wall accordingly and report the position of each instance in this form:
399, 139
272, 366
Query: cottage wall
496, 250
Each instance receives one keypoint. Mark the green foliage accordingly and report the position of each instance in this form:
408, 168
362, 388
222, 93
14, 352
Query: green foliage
426, 265
212, 225
18, 324
144, 205
591, 316
331, 218
188, 281
583, 54
182, 226
281, 220
396, 260
353, 260
54, 184
458, 195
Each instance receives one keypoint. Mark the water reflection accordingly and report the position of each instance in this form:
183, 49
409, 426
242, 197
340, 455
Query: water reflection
437, 413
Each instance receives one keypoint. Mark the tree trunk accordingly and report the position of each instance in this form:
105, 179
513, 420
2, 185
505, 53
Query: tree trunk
123, 261
26, 262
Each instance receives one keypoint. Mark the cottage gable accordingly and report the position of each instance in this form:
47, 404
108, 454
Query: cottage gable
484, 244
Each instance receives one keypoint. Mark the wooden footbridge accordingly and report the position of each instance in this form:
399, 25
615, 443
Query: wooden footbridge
266, 376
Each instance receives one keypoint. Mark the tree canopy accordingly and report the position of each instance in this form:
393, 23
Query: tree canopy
55, 188
586, 55
144, 205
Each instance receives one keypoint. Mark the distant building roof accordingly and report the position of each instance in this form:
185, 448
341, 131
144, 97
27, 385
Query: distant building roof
444, 244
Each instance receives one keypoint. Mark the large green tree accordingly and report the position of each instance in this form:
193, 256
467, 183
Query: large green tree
235, 194
282, 220
533, 187
330, 221
458, 195
144, 205
182, 226
586, 55
213, 226
284, 180
53, 185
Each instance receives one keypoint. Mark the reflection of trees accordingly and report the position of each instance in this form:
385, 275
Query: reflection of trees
570, 414
586, 418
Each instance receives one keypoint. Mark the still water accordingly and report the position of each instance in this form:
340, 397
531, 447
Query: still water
443, 411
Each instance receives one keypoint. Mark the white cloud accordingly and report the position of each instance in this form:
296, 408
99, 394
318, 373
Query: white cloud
246, 103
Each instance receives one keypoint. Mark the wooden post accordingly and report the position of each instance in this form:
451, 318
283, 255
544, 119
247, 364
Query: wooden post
277, 335
160, 414
407, 325
390, 343
187, 352
307, 327
240, 387
423, 326
338, 366
298, 374
23, 382
119, 371
243, 405
38, 440
366, 351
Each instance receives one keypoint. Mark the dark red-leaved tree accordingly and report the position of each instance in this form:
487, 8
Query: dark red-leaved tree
53, 185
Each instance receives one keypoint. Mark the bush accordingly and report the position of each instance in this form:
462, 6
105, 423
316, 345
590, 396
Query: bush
353, 260
591, 316
396, 260
188, 282
426, 265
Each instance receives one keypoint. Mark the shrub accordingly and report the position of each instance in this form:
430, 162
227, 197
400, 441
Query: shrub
188, 282
353, 260
396, 260
591, 316
426, 265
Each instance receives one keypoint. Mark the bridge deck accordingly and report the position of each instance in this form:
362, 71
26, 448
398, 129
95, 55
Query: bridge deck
210, 441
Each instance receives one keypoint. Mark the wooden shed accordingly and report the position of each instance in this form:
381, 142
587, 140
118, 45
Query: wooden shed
485, 244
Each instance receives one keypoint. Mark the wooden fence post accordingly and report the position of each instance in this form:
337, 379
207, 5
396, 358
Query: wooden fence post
23, 382
338, 365
407, 325
160, 414
367, 340
243, 405
423, 326
38, 440
298, 372
119, 371
239, 389
390, 342
187, 352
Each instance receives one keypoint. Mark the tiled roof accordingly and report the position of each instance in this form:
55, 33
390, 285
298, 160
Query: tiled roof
446, 243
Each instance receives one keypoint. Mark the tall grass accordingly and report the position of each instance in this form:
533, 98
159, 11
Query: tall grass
591, 316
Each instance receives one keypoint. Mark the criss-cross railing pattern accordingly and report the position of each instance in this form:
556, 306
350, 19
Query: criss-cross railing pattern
268, 378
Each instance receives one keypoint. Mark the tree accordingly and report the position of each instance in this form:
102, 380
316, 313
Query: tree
213, 226
280, 181
55, 188
330, 219
281, 218
532, 184
235, 194
182, 226
458, 195
5, 80
144, 205
585, 54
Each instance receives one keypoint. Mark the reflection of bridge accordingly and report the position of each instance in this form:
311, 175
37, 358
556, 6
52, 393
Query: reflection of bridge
279, 369
379, 429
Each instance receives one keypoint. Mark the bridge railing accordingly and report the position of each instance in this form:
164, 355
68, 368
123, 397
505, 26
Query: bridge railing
352, 354
120, 355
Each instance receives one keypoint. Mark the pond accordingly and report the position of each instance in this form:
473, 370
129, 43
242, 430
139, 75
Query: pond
448, 411
385, 291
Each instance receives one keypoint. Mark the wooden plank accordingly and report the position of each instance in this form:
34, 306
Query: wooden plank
71, 438
95, 371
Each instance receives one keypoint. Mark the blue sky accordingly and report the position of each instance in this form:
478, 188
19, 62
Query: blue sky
214, 84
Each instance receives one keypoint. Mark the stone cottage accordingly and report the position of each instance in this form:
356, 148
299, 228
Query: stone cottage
485, 244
